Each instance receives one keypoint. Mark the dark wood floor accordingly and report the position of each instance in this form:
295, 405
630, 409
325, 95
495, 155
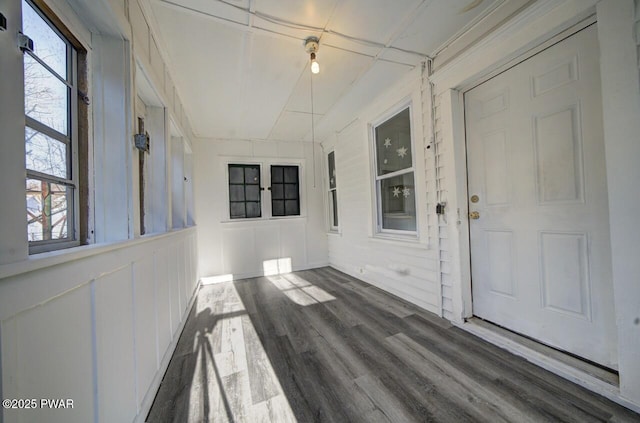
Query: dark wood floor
322, 346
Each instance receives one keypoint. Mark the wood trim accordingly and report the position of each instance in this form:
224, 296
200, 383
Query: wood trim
60, 26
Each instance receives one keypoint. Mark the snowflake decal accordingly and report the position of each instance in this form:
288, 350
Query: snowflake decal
402, 151
396, 191
387, 143
406, 192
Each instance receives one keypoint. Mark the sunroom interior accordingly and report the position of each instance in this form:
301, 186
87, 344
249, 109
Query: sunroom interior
243, 210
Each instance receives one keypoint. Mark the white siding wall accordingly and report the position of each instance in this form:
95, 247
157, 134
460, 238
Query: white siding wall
443, 231
98, 329
404, 268
240, 247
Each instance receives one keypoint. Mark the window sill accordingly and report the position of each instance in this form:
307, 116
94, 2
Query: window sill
334, 233
262, 219
52, 258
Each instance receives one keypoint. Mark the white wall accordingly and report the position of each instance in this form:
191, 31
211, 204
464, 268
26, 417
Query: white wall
619, 36
95, 323
97, 326
240, 247
407, 268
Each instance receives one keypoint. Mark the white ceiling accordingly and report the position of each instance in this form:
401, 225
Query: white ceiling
242, 72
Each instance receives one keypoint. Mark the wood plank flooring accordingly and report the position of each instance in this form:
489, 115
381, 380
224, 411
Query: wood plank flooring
319, 345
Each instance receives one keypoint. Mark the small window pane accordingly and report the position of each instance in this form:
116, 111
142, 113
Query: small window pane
277, 208
236, 174
277, 174
332, 170
334, 208
291, 191
237, 210
45, 96
398, 203
252, 175
253, 192
244, 191
277, 191
291, 207
236, 192
253, 209
48, 206
291, 174
393, 144
48, 45
45, 154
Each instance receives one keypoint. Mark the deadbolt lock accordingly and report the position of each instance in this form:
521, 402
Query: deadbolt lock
475, 198
474, 215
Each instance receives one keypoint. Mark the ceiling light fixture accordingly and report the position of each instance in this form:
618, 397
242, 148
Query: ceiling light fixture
311, 45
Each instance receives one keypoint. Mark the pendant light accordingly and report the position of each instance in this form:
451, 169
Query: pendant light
311, 46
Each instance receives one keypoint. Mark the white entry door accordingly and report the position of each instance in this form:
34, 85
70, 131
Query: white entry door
540, 249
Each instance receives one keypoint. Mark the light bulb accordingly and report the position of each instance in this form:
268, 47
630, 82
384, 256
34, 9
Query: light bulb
315, 67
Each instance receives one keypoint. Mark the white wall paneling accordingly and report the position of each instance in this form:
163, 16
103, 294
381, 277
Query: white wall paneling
408, 269
240, 247
98, 329
617, 26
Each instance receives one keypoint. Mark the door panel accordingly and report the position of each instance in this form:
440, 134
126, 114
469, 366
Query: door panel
540, 250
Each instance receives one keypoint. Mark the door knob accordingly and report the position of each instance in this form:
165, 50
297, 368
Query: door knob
474, 215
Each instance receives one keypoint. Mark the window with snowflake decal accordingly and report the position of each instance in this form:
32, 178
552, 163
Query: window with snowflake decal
394, 179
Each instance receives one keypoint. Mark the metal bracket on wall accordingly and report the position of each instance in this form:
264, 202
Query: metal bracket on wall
25, 43
3, 23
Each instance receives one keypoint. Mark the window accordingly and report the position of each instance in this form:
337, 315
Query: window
333, 195
51, 135
394, 177
244, 191
285, 194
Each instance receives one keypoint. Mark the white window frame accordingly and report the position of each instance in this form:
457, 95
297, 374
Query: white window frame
330, 203
71, 140
379, 231
265, 179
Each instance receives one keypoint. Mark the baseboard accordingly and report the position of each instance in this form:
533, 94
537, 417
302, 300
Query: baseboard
150, 396
259, 273
553, 365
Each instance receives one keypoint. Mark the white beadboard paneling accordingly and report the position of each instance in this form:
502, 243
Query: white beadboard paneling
145, 323
268, 240
140, 30
52, 358
163, 300
156, 61
295, 246
174, 289
48, 328
115, 346
240, 247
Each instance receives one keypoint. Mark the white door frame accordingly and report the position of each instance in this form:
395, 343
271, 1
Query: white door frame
543, 22
451, 82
